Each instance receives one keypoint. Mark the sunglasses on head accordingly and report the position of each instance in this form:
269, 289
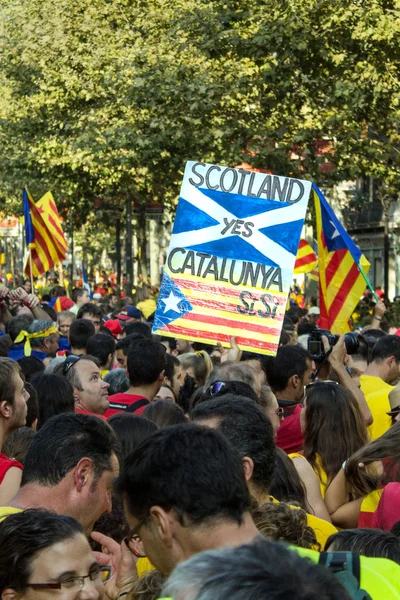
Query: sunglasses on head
69, 362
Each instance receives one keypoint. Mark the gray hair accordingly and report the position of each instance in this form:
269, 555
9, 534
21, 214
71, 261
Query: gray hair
72, 375
36, 327
53, 364
66, 314
233, 371
118, 381
263, 569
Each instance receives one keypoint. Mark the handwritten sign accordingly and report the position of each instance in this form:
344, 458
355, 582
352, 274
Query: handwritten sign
231, 257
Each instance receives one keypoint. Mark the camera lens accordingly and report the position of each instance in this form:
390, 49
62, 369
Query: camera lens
352, 342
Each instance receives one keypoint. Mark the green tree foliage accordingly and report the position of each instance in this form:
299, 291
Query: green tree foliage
102, 97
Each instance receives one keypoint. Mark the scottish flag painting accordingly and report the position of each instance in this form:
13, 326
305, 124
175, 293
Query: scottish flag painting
231, 256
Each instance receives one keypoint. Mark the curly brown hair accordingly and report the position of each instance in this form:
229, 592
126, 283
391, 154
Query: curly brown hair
148, 587
281, 522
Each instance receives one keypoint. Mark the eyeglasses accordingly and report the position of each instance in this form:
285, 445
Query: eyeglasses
134, 535
101, 574
69, 363
320, 382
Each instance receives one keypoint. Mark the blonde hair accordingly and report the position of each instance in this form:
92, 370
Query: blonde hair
200, 363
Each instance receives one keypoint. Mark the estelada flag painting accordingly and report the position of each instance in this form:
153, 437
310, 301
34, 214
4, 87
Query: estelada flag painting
48, 245
341, 283
231, 257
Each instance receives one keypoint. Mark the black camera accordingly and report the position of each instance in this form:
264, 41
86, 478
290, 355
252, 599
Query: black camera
316, 347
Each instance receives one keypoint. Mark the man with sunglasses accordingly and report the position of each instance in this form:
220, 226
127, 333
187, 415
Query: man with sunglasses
90, 391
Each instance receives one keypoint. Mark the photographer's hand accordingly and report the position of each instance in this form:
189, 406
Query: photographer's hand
337, 359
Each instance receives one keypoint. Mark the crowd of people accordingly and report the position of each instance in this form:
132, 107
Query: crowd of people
139, 467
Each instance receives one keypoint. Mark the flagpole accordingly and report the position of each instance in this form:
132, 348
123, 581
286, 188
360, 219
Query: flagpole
30, 267
367, 281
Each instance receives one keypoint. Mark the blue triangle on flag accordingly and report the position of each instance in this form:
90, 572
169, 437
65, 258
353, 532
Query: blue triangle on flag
172, 304
241, 206
234, 247
286, 235
189, 217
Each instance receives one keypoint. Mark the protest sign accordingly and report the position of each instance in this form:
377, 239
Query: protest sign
231, 257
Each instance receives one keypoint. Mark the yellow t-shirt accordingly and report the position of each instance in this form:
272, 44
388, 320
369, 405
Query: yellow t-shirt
321, 528
320, 473
376, 393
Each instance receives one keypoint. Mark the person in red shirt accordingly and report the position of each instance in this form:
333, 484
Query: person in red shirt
288, 374
387, 513
146, 365
13, 411
90, 391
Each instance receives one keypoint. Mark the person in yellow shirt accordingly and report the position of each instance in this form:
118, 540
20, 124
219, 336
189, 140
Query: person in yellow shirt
376, 381
250, 432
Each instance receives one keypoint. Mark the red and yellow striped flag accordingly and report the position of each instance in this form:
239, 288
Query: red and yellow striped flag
306, 259
341, 263
49, 246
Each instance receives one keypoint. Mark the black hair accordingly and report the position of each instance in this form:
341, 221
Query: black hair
76, 294
5, 344
138, 327
289, 361
396, 527
246, 355
146, 361
286, 485
79, 333
55, 396
164, 413
90, 309
304, 328
194, 470
284, 338
248, 430
170, 341
30, 366
18, 443
101, 346
15, 325
389, 345
131, 431
373, 543
62, 442
106, 331
294, 314
22, 536
170, 364
32, 405
50, 311
125, 342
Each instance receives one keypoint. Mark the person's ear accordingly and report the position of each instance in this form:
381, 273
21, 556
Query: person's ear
76, 395
9, 594
162, 522
295, 380
5, 409
248, 467
161, 376
83, 474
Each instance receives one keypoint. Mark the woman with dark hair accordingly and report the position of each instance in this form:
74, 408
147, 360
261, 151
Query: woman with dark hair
374, 543
131, 431
43, 554
164, 413
333, 429
359, 487
55, 396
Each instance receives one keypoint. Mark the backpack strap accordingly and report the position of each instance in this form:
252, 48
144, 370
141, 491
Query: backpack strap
342, 561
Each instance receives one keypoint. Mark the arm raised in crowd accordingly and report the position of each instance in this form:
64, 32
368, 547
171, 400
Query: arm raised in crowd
379, 311
336, 359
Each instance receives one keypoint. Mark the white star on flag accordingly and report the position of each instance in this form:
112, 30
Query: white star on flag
171, 303
260, 241
335, 231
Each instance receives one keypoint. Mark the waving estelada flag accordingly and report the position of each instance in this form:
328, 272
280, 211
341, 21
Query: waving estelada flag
341, 283
231, 257
306, 259
44, 241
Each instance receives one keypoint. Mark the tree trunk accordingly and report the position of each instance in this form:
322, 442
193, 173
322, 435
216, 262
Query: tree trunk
142, 241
